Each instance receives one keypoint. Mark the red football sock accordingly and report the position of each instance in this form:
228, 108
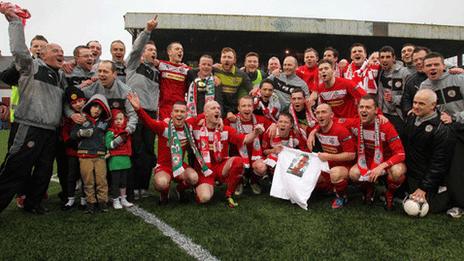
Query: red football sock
182, 185
340, 187
235, 176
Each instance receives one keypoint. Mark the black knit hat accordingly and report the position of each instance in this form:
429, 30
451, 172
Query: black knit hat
73, 94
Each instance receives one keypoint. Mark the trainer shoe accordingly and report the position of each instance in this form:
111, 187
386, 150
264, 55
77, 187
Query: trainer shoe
117, 203
91, 208
256, 188
144, 193
37, 210
103, 207
338, 202
126, 203
239, 190
389, 201
455, 212
369, 196
182, 195
231, 203
20, 201
163, 200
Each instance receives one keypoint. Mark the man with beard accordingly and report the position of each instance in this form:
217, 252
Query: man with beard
143, 79
202, 87
391, 84
118, 50
341, 94
287, 81
38, 116
414, 80
174, 140
308, 72
214, 145
172, 82
360, 71
251, 154
232, 80
379, 152
338, 148
428, 152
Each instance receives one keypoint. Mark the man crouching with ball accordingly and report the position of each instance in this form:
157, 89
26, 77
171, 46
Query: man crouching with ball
428, 154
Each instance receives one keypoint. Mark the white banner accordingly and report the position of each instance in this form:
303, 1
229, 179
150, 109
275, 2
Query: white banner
296, 175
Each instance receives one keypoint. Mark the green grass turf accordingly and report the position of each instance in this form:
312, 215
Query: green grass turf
261, 228
264, 228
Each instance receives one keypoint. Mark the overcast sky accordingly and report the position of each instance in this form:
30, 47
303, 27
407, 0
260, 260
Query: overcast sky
71, 23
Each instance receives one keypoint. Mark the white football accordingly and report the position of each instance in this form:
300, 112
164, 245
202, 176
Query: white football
414, 208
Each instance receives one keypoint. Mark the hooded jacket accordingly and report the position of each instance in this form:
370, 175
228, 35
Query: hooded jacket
93, 146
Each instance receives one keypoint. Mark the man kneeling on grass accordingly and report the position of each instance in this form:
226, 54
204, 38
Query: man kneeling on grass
380, 152
338, 149
214, 146
174, 140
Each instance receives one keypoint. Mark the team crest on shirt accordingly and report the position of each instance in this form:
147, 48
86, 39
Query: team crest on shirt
30, 144
452, 93
115, 104
428, 128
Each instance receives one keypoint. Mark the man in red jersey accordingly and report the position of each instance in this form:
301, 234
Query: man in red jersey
341, 94
174, 139
172, 83
214, 146
251, 154
380, 151
284, 134
309, 72
338, 148
360, 71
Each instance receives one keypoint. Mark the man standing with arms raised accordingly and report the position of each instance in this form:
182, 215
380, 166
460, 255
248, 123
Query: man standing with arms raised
143, 79
38, 114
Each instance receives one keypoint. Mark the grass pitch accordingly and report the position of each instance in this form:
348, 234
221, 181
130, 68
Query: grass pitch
261, 228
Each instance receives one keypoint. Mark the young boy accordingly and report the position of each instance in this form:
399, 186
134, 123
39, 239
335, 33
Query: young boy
76, 99
91, 151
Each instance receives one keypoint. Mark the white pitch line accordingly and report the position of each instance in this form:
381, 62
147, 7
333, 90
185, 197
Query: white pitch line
181, 240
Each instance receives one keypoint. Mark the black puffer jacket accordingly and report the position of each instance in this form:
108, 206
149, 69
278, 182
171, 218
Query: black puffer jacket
428, 152
94, 145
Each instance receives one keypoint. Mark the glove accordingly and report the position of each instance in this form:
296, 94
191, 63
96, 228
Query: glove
85, 133
116, 142
124, 135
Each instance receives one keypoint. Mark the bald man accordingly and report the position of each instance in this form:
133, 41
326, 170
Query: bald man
38, 116
428, 154
338, 148
287, 81
213, 144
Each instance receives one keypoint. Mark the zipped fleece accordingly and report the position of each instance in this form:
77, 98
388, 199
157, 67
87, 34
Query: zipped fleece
41, 88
